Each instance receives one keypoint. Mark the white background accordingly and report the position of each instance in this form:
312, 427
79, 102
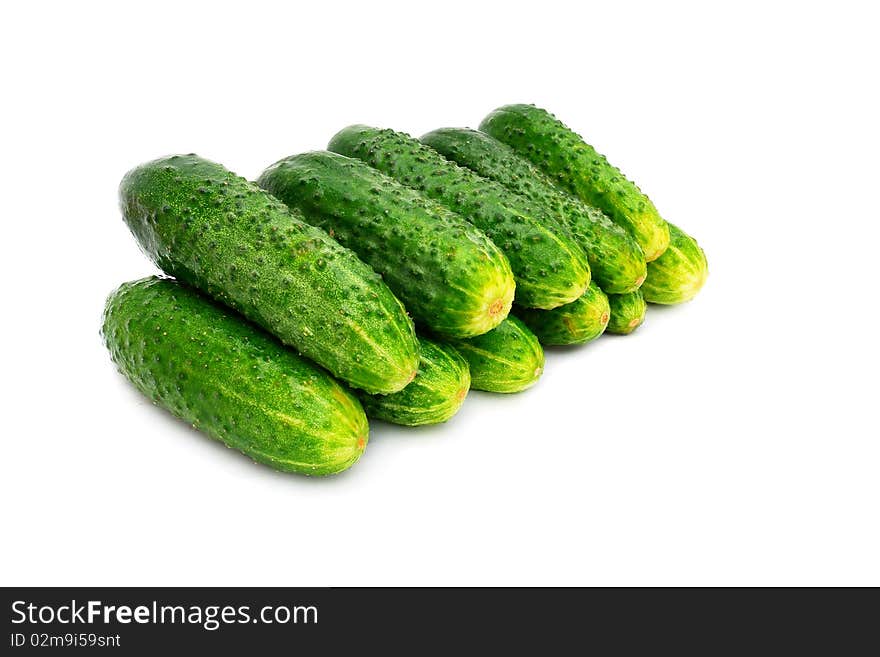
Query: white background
732, 440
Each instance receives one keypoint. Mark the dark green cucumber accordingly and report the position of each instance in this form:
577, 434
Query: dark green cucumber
217, 232
616, 261
677, 275
434, 396
627, 312
226, 377
508, 358
573, 323
549, 266
448, 274
563, 155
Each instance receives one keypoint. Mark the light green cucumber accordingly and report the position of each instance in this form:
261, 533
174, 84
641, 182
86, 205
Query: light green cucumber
563, 155
226, 377
449, 275
616, 261
434, 396
627, 312
508, 358
574, 323
549, 266
219, 233
677, 275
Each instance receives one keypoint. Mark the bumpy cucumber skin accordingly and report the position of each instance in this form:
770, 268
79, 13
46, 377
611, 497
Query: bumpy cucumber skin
434, 396
226, 377
219, 233
616, 261
549, 266
576, 166
575, 323
677, 275
507, 359
449, 275
627, 312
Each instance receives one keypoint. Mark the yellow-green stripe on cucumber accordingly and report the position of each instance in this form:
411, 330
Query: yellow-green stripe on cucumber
508, 358
677, 275
574, 323
434, 396
627, 312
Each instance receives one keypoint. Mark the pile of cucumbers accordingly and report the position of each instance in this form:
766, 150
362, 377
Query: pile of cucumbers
384, 278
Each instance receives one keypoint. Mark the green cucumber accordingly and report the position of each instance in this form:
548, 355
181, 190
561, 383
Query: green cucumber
434, 396
213, 369
448, 274
574, 323
508, 358
563, 155
549, 266
677, 275
627, 312
616, 261
219, 233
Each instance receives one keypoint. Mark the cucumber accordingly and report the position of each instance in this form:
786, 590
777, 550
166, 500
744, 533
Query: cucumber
506, 359
211, 368
627, 312
616, 261
448, 274
434, 396
563, 155
574, 323
677, 275
549, 266
221, 234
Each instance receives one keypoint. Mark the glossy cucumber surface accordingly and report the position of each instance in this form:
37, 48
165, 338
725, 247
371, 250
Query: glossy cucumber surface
217, 371
449, 275
550, 267
219, 233
572, 163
